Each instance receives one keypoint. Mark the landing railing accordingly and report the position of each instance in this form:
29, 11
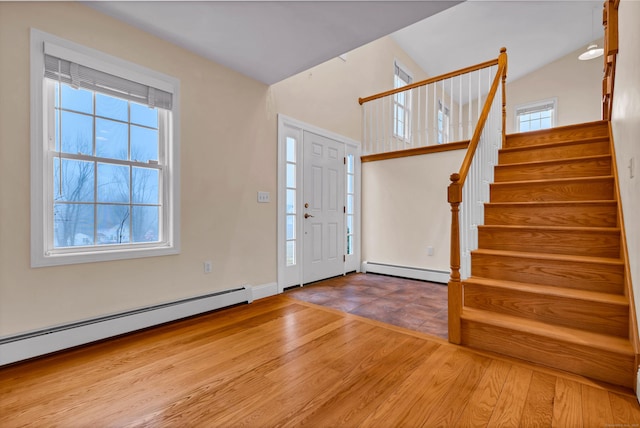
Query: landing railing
434, 111
469, 190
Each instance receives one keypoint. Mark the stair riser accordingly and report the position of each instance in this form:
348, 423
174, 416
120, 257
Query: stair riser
565, 151
551, 170
590, 276
578, 190
597, 317
580, 359
579, 243
557, 135
604, 215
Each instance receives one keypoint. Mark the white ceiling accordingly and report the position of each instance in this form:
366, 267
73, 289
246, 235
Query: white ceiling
272, 40
535, 33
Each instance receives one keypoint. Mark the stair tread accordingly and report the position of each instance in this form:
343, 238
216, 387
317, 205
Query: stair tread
553, 180
550, 256
566, 334
547, 144
554, 203
594, 124
587, 229
553, 161
594, 296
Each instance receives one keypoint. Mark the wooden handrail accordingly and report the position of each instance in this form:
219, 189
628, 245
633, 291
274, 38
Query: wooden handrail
455, 295
473, 145
429, 80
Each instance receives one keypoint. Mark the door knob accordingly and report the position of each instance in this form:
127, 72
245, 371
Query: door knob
307, 215
306, 205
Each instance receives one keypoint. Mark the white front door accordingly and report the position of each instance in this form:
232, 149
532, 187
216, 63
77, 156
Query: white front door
323, 211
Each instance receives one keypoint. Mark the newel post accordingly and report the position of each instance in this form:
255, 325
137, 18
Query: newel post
455, 285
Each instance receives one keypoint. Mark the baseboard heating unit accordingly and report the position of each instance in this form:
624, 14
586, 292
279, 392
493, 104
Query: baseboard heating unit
28, 345
406, 272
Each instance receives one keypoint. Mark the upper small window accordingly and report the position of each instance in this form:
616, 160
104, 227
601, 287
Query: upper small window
443, 123
535, 116
402, 104
104, 159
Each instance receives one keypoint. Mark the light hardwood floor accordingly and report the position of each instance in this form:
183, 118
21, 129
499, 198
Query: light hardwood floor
284, 362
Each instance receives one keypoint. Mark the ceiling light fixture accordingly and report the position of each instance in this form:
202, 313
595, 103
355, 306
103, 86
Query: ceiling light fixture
593, 51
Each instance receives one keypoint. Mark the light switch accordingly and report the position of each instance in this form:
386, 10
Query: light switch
263, 197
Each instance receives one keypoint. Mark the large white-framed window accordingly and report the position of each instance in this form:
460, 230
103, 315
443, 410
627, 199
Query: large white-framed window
401, 103
104, 156
444, 121
536, 115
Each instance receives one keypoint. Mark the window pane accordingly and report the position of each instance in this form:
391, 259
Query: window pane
546, 123
111, 107
349, 224
145, 222
291, 150
143, 115
291, 253
77, 133
534, 125
291, 175
77, 99
349, 183
144, 144
72, 225
291, 201
350, 164
350, 244
350, 204
524, 126
291, 227
113, 183
145, 185
111, 139
75, 182
113, 224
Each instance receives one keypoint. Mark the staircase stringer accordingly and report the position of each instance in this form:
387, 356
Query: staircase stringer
624, 255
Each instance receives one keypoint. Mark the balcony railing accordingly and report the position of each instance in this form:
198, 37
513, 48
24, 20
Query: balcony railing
438, 110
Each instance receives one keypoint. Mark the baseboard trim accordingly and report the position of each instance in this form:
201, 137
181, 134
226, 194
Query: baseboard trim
264, 290
41, 342
406, 272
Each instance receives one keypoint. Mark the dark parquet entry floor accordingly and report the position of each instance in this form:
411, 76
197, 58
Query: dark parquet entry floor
412, 304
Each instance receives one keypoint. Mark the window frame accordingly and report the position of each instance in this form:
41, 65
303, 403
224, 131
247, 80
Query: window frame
532, 106
43, 252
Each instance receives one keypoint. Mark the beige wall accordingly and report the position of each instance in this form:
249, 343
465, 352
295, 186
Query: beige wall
224, 163
626, 130
327, 95
405, 210
577, 85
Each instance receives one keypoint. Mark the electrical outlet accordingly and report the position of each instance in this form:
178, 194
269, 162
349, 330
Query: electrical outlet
208, 266
430, 251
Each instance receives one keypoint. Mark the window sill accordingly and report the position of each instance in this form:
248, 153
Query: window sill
68, 258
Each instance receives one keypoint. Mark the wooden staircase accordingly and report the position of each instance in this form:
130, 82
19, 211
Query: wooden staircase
547, 280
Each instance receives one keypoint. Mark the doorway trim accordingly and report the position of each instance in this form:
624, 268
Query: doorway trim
288, 127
